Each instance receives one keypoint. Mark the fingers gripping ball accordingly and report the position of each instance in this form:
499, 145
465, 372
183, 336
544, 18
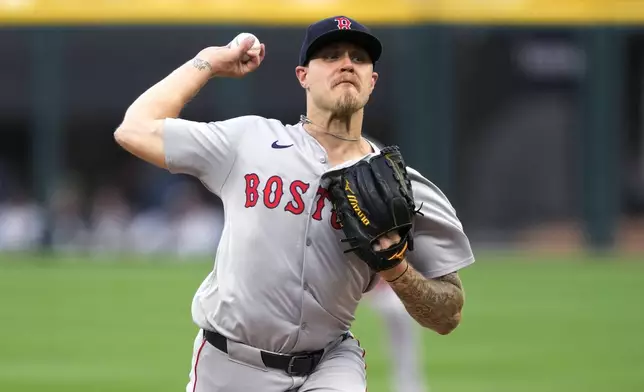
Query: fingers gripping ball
374, 198
254, 50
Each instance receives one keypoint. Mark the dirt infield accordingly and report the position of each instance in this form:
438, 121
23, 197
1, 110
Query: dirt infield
569, 237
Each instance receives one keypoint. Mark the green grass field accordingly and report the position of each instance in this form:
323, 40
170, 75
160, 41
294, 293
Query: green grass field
540, 324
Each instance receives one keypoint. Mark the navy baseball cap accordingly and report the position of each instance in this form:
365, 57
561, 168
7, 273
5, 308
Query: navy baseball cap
338, 29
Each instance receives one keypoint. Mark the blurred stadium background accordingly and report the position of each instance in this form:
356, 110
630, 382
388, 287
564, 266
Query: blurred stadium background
529, 114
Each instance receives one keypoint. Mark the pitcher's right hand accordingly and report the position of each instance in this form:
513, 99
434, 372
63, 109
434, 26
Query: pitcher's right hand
226, 61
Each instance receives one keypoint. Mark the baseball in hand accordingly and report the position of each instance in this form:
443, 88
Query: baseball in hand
255, 49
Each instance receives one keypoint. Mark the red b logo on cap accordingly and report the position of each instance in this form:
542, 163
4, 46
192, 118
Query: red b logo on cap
343, 23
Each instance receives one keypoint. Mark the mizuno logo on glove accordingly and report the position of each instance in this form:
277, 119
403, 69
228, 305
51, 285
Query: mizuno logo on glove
354, 204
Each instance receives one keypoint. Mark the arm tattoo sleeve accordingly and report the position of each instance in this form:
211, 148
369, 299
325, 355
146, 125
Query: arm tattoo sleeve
434, 303
201, 64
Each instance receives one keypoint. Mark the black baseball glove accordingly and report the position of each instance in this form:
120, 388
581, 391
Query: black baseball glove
372, 198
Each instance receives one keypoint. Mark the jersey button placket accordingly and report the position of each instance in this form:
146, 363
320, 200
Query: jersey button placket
308, 242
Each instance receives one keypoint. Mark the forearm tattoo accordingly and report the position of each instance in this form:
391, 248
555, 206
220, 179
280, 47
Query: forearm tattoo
201, 64
434, 303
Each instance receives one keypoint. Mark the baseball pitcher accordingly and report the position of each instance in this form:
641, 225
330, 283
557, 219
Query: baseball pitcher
315, 216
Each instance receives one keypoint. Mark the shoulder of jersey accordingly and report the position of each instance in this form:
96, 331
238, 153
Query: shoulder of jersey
426, 191
253, 118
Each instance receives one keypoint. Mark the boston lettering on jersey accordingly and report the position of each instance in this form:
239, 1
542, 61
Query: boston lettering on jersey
273, 190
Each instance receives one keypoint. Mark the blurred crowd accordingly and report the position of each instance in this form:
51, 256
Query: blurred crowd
183, 222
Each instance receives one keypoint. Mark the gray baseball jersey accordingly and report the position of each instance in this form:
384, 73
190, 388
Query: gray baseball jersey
281, 281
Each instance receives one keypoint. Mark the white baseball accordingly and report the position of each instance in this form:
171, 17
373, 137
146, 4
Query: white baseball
255, 49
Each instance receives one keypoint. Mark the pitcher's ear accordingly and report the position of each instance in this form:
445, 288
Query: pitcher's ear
374, 79
301, 73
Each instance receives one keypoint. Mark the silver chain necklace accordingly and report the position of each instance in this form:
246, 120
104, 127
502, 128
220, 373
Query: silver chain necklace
306, 120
